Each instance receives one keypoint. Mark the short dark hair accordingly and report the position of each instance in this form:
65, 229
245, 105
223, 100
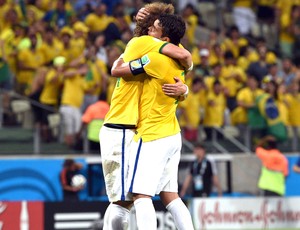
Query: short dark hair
228, 55
271, 144
217, 82
173, 27
49, 29
199, 145
68, 162
197, 80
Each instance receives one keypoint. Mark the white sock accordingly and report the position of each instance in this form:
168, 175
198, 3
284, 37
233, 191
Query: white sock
116, 218
145, 214
181, 215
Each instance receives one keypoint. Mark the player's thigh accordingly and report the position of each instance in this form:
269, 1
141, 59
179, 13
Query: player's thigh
147, 167
115, 145
169, 178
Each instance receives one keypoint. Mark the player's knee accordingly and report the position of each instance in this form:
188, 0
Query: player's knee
119, 222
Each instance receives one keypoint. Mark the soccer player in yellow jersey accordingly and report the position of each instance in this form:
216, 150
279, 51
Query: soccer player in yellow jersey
118, 130
158, 132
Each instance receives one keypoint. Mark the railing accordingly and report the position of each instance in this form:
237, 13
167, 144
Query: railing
241, 143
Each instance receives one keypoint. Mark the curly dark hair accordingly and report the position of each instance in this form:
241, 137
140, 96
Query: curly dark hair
155, 9
173, 27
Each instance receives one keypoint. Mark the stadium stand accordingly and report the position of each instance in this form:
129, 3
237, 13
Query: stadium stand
91, 36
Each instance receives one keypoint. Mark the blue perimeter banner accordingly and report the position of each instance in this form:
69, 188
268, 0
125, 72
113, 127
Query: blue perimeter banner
38, 180
33, 179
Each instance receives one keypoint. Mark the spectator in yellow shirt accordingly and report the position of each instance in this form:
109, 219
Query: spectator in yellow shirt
288, 21
99, 21
253, 55
190, 15
293, 100
71, 101
232, 79
79, 39
190, 111
95, 79
214, 110
272, 88
28, 62
246, 100
51, 46
51, 90
234, 41
215, 75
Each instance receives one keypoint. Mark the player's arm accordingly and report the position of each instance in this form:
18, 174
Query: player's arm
132, 68
135, 67
121, 68
181, 54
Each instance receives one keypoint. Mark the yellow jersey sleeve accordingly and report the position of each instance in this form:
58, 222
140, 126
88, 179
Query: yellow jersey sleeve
124, 106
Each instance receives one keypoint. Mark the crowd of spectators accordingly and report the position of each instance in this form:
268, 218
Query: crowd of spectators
60, 52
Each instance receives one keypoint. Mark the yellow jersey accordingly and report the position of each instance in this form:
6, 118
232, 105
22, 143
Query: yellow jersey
192, 22
253, 56
96, 23
210, 80
29, 58
94, 78
229, 45
78, 46
245, 95
73, 91
67, 52
125, 98
227, 75
51, 88
157, 110
195, 55
293, 109
191, 106
214, 114
50, 51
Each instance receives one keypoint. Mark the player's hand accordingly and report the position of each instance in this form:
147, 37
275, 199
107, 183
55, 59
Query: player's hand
175, 90
142, 14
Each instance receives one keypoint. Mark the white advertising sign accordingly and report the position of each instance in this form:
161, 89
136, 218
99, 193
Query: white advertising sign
246, 213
